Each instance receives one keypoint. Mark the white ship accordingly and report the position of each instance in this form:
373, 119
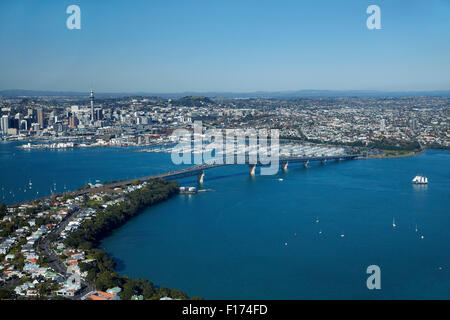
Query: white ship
420, 180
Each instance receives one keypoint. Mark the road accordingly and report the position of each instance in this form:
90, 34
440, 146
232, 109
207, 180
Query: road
56, 264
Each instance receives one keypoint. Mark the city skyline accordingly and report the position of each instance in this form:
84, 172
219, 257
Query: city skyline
172, 46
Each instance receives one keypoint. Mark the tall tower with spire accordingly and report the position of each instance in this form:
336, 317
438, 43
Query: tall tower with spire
92, 105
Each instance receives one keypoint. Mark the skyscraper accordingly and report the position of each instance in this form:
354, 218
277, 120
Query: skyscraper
99, 114
92, 105
414, 124
73, 121
383, 125
4, 124
40, 117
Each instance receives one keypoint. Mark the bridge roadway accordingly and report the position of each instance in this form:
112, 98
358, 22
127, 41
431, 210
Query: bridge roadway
200, 169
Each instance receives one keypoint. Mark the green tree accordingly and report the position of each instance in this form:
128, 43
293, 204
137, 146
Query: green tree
6, 293
177, 294
107, 280
3, 210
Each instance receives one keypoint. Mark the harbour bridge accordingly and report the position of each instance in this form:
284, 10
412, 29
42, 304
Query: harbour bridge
199, 170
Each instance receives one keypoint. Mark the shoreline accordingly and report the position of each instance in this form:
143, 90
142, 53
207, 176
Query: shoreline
410, 154
101, 273
111, 219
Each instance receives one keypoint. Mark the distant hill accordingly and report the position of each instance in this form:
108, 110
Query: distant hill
192, 101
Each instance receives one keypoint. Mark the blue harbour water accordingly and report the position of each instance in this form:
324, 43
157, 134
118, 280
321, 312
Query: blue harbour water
266, 238
62, 170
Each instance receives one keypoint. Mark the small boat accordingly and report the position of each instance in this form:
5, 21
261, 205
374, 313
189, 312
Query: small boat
420, 180
393, 223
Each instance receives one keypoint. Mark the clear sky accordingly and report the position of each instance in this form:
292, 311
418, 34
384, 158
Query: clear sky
229, 45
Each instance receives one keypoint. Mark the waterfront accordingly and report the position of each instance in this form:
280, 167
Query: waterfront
230, 243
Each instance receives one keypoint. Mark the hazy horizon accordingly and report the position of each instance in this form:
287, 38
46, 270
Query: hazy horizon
290, 94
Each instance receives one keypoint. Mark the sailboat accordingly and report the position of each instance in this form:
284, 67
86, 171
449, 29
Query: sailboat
420, 180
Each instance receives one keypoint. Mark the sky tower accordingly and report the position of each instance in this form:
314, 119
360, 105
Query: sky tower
92, 105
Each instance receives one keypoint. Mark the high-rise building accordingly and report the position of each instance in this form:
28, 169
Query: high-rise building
414, 124
4, 124
40, 117
31, 114
92, 106
73, 121
18, 116
383, 125
23, 124
98, 114
52, 118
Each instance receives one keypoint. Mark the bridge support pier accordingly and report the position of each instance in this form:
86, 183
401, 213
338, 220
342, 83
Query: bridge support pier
200, 177
305, 164
251, 169
284, 166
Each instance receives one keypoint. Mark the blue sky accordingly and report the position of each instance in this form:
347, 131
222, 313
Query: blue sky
240, 46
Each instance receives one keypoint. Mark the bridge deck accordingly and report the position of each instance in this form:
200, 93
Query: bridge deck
192, 171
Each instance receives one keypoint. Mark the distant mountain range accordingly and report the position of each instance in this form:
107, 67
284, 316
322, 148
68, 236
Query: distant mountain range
256, 94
